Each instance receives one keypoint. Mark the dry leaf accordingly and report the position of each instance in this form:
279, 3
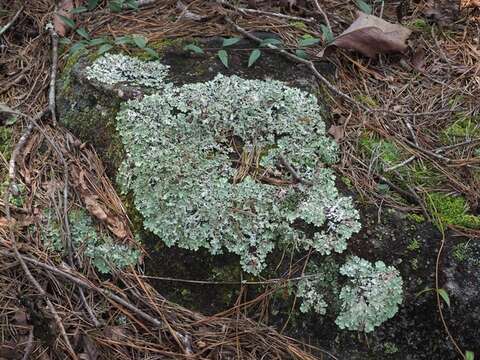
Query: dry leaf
90, 349
94, 207
117, 227
64, 9
4, 222
337, 132
418, 60
371, 35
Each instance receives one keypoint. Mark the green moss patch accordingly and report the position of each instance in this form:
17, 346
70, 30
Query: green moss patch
452, 210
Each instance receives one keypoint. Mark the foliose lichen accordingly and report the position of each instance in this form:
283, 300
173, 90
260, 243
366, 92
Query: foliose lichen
371, 296
202, 160
117, 68
99, 247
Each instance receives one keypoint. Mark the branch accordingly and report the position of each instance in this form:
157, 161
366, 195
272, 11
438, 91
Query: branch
5, 28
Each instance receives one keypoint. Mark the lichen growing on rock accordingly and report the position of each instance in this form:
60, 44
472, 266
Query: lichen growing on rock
201, 160
102, 250
371, 296
117, 68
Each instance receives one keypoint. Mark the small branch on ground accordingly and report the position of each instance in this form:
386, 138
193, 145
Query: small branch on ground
10, 23
53, 73
324, 14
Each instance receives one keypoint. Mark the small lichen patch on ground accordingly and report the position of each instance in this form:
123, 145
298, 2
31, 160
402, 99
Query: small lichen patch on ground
102, 250
372, 295
113, 69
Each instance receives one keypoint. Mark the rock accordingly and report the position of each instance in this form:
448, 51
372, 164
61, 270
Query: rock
89, 108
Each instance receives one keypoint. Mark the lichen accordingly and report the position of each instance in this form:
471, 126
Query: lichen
117, 68
371, 296
100, 248
201, 160
319, 288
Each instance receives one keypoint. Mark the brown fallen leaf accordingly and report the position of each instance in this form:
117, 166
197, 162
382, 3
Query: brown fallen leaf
337, 132
117, 227
371, 35
64, 9
418, 60
95, 208
4, 222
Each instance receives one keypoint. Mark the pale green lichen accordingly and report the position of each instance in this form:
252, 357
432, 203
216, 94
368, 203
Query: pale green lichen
183, 150
319, 288
370, 297
113, 69
99, 247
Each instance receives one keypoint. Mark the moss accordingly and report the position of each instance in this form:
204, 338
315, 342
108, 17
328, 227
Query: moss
6, 143
414, 245
421, 174
419, 25
300, 25
452, 210
367, 100
463, 128
416, 218
387, 151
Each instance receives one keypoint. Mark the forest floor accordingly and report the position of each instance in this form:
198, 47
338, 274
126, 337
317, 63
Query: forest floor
408, 126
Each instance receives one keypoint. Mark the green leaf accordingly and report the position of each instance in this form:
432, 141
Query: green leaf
98, 41
11, 120
122, 40
79, 46
230, 41
83, 33
222, 54
78, 10
327, 34
363, 6
191, 47
115, 5
469, 355
132, 4
270, 41
151, 52
301, 54
92, 4
140, 41
104, 48
444, 296
254, 55
67, 21
308, 42
65, 41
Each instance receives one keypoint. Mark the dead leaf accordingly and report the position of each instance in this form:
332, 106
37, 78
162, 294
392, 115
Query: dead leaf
117, 227
4, 222
371, 35
442, 12
95, 208
418, 60
337, 132
20, 317
64, 9
90, 349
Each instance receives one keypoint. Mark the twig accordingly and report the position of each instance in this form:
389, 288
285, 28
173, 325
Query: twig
322, 79
292, 171
300, 60
325, 17
450, 147
77, 279
29, 347
403, 163
263, 12
428, 152
53, 73
5, 28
